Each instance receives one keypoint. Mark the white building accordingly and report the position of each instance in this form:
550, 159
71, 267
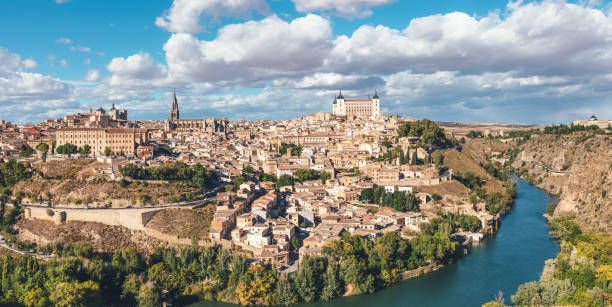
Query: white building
360, 108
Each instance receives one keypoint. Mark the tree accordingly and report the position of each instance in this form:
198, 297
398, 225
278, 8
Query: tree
367, 194
44, 147
43, 157
305, 174
438, 158
66, 149
309, 278
401, 157
85, 150
415, 158
324, 176
285, 180
295, 243
77, 294
26, 152
107, 151
333, 285
473, 199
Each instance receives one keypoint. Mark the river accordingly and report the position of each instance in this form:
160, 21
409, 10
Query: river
514, 256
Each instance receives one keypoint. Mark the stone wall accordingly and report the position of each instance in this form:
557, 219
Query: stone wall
130, 218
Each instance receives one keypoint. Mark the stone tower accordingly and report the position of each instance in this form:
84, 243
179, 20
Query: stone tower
174, 109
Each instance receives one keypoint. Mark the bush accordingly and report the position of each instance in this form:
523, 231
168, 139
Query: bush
123, 183
50, 212
436, 197
550, 208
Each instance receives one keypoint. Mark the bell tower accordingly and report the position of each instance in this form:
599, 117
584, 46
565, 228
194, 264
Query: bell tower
174, 109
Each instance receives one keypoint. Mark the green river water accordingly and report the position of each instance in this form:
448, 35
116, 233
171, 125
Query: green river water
514, 256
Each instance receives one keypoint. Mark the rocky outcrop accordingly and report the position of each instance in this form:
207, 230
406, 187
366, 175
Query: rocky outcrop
585, 187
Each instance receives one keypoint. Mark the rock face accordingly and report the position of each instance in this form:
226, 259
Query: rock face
585, 190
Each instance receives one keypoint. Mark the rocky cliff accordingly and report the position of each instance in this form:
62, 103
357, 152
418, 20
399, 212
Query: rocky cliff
577, 168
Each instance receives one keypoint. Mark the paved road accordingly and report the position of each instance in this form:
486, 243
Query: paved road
552, 170
23, 252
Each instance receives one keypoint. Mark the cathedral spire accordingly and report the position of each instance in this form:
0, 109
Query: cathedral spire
174, 109
375, 94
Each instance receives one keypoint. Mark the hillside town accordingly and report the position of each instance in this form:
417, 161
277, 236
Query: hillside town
291, 186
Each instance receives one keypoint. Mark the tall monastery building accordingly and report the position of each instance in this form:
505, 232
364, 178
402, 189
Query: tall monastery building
369, 108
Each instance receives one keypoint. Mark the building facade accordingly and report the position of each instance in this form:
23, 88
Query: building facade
593, 120
118, 140
97, 119
364, 108
174, 122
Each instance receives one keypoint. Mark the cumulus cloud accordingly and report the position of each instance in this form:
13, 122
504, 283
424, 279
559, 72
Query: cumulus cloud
140, 66
536, 38
20, 91
184, 15
346, 8
331, 81
252, 50
29, 63
552, 58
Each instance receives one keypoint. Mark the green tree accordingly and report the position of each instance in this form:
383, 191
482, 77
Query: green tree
44, 147
367, 194
107, 151
415, 158
285, 180
333, 285
324, 176
86, 293
309, 278
85, 150
438, 158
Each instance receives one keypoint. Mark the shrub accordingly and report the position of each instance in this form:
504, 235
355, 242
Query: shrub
550, 208
50, 212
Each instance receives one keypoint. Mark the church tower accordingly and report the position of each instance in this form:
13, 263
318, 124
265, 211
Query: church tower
174, 109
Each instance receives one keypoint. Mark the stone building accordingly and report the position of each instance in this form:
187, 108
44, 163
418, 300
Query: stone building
97, 119
174, 122
118, 140
364, 108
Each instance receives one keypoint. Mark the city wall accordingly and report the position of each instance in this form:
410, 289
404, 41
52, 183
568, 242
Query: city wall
130, 218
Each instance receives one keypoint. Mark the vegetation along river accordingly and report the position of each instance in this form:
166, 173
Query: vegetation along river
516, 255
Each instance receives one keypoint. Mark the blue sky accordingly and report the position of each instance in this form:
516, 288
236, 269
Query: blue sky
498, 61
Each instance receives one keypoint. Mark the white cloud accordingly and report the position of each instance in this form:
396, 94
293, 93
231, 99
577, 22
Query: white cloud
346, 8
64, 63
140, 66
61, 1
536, 38
251, 51
331, 81
93, 75
87, 61
29, 63
28, 96
184, 15
63, 41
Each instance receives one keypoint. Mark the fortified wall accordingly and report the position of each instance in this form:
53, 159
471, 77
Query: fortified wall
132, 218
